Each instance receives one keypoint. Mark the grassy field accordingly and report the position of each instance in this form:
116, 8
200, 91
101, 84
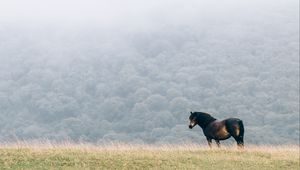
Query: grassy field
85, 156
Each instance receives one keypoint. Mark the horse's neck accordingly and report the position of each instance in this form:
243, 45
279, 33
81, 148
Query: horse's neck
203, 125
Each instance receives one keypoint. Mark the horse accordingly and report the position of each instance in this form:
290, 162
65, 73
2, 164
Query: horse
218, 130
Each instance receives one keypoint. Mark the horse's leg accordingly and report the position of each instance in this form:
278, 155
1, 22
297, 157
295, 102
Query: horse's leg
240, 141
218, 143
209, 142
237, 132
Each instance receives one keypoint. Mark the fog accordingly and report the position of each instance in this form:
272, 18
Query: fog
131, 71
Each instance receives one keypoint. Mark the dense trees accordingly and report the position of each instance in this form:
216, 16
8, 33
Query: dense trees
138, 86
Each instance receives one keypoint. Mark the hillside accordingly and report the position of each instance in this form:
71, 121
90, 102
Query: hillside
147, 157
133, 71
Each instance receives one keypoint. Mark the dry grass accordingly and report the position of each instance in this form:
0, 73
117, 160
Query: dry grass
47, 155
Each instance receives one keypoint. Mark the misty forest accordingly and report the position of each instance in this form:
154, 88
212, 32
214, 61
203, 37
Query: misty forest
136, 77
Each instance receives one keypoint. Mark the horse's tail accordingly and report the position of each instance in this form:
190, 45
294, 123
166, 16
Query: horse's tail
240, 138
241, 125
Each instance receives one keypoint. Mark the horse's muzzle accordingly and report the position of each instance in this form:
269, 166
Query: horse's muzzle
190, 126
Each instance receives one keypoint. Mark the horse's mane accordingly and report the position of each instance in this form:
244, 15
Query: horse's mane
204, 119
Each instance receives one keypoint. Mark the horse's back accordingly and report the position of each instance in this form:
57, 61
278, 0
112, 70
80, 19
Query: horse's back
232, 119
217, 130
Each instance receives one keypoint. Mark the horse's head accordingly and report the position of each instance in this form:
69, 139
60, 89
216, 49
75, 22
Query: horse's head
193, 120
200, 118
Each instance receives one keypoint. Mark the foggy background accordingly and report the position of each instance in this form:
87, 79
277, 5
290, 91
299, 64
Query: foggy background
131, 71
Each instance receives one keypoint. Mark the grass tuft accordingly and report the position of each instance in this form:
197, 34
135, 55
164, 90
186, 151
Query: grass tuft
67, 155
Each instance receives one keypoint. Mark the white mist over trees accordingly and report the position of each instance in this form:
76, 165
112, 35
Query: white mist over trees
133, 72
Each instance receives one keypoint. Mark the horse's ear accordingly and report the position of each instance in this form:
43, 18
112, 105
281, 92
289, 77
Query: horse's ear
191, 112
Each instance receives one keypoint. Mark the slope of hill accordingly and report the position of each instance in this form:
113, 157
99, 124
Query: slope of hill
147, 157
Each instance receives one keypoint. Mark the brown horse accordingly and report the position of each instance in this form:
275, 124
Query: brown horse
218, 130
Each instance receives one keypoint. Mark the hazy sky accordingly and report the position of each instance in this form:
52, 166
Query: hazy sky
117, 11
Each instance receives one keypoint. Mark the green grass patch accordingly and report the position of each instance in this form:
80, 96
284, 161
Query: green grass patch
148, 158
